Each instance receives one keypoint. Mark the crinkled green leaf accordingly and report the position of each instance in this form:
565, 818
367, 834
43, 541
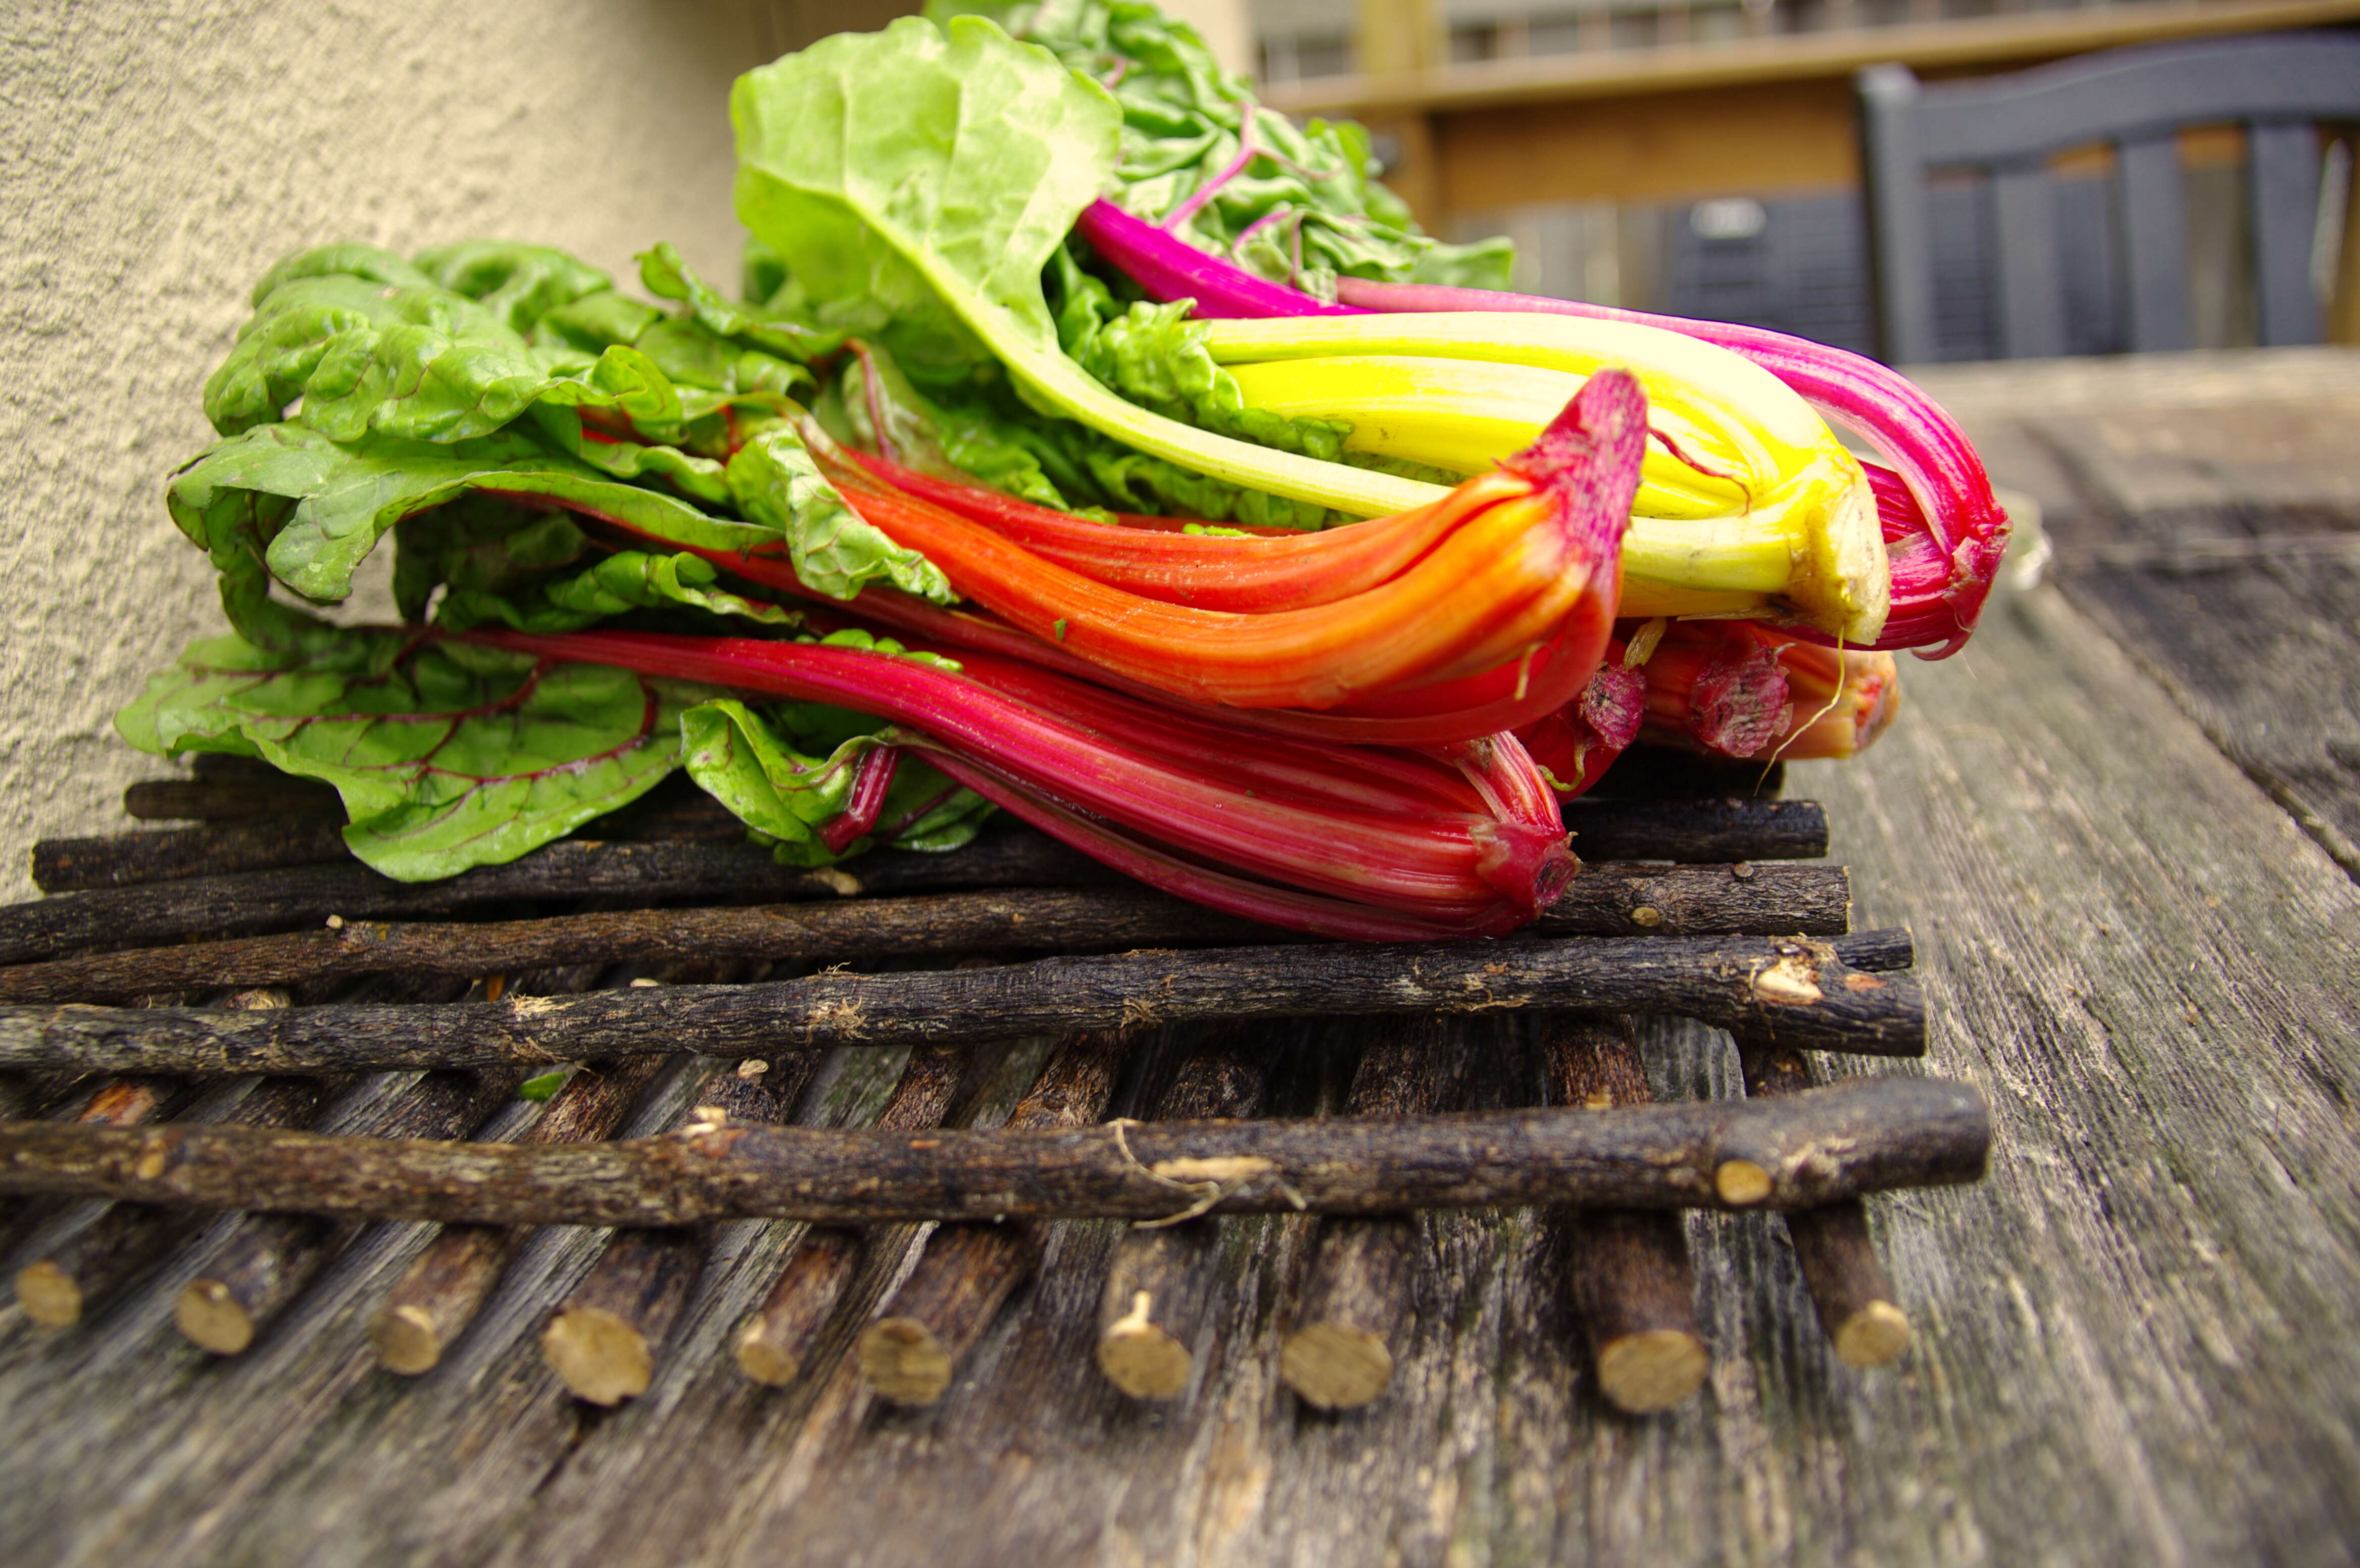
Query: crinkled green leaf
420, 362
913, 177
1155, 355
617, 584
749, 760
447, 755
777, 487
665, 273
345, 496
595, 322
1314, 193
369, 263
517, 283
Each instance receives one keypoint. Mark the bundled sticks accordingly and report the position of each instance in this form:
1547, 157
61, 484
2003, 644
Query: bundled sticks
1682, 909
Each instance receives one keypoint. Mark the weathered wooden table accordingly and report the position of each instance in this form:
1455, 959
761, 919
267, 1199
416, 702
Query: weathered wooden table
2123, 826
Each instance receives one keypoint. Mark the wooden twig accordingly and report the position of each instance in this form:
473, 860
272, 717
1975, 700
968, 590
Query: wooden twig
271, 1257
911, 1348
1797, 992
128, 860
1787, 1152
1161, 1282
279, 797
1849, 1290
603, 1341
444, 1286
1708, 832
1356, 1299
1880, 952
316, 876
1632, 1283
85, 1269
1658, 772
117, 1103
250, 902
776, 1336
1612, 899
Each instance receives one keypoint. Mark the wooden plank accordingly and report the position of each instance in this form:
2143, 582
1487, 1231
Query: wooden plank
2132, 1338
2217, 538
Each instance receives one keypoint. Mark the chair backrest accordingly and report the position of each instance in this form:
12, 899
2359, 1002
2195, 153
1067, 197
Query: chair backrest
2274, 85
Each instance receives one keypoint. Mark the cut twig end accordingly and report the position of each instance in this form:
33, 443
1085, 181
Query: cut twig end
1652, 1370
600, 1357
1336, 1367
1873, 1336
48, 1295
406, 1339
1741, 1183
904, 1362
764, 1360
214, 1319
1139, 1357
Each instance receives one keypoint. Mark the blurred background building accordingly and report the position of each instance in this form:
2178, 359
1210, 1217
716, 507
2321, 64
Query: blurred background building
1700, 156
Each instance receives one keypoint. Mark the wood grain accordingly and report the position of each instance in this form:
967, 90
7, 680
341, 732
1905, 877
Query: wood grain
2133, 1337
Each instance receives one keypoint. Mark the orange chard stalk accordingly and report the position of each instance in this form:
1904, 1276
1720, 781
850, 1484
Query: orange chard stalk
1532, 546
1252, 575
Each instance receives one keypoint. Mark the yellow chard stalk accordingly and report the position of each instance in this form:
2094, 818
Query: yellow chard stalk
1750, 505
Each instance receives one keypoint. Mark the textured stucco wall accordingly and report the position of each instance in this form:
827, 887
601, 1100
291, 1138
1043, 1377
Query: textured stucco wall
157, 155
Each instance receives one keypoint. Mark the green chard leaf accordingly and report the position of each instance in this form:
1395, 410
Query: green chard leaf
618, 584
915, 182
447, 755
789, 768
415, 363
313, 508
777, 487
1307, 210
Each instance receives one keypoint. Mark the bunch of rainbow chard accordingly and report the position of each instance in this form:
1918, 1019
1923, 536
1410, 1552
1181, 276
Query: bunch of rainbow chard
1308, 613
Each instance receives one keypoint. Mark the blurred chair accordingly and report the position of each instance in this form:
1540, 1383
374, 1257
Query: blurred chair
2274, 85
